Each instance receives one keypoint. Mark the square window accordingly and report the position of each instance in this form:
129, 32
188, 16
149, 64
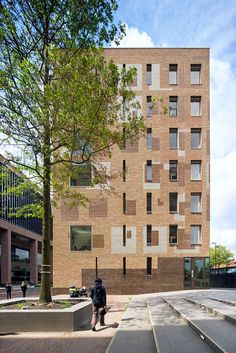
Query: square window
173, 138
173, 74
196, 202
195, 138
82, 176
196, 234
195, 74
80, 238
196, 106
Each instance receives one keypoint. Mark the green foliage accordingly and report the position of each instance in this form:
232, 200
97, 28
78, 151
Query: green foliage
220, 255
59, 96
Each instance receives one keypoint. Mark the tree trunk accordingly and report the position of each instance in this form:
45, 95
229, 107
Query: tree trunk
45, 294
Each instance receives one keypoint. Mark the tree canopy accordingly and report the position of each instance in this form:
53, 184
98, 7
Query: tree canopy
220, 256
59, 97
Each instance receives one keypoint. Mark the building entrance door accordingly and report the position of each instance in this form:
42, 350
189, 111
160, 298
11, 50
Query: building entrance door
196, 272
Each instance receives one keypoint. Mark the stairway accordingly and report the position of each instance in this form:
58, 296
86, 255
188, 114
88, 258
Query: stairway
186, 323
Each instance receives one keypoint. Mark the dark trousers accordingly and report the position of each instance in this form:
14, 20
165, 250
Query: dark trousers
23, 292
96, 310
8, 295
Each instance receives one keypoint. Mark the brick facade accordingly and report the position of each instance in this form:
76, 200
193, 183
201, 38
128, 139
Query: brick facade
105, 212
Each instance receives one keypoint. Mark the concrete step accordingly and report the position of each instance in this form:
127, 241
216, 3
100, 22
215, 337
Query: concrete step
171, 333
134, 334
217, 308
228, 302
218, 333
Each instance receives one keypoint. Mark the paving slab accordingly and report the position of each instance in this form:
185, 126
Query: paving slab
134, 334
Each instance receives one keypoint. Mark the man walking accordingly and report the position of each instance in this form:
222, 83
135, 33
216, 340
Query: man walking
98, 296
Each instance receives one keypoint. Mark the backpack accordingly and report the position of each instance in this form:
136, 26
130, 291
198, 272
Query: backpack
98, 296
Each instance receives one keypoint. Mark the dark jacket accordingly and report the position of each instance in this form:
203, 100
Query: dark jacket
98, 295
8, 288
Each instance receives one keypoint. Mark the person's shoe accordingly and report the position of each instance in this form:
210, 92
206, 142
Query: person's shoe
93, 328
102, 323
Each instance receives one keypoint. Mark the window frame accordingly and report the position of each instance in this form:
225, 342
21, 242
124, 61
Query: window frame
193, 101
173, 131
196, 162
173, 78
192, 240
194, 68
199, 203
91, 238
192, 132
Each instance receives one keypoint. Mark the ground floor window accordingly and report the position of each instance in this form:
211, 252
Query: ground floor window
80, 238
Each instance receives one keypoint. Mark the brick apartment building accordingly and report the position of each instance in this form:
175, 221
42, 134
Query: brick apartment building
153, 233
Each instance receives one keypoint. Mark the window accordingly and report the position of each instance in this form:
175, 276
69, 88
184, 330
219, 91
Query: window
149, 202
196, 106
173, 105
124, 235
149, 74
80, 238
124, 139
195, 170
195, 234
195, 74
149, 266
173, 74
149, 106
149, 235
124, 266
173, 202
173, 170
173, 138
196, 202
83, 177
149, 138
173, 230
195, 138
124, 170
124, 202
149, 171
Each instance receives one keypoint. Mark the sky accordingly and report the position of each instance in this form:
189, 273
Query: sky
200, 23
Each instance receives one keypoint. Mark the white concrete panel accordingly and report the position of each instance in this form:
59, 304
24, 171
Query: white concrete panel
117, 241
179, 218
163, 241
181, 153
181, 196
139, 76
187, 251
103, 166
155, 77
166, 166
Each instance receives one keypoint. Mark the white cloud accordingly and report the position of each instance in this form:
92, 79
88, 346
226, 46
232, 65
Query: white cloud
135, 39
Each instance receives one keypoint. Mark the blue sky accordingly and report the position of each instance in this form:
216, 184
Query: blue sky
200, 23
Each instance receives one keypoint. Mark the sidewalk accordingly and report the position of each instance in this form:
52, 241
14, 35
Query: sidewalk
84, 341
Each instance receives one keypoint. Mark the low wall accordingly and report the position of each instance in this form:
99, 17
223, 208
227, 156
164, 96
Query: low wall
53, 320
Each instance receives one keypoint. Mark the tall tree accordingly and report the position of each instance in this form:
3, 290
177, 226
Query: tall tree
59, 96
220, 255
